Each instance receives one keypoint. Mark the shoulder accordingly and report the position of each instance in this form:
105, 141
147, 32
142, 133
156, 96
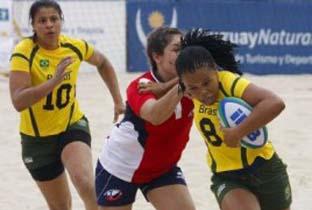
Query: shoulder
227, 75
145, 77
232, 84
132, 89
25, 46
70, 40
80, 46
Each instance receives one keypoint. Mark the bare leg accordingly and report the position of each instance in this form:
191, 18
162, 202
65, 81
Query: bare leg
56, 192
77, 159
240, 199
127, 207
173, 197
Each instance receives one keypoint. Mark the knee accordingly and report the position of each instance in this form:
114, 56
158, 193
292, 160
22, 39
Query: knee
190, 206
240, 199
186, 205
242, 206
83, 182
64, 205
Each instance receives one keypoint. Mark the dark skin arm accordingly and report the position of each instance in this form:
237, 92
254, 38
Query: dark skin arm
23, 94
266, 106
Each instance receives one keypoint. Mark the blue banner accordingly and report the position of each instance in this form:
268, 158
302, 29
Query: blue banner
273, 37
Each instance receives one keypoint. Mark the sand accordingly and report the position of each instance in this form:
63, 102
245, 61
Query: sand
290, 132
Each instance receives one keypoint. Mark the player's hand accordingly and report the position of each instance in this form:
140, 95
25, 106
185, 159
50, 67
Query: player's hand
119, 109
61, 67
158, 89
231, 137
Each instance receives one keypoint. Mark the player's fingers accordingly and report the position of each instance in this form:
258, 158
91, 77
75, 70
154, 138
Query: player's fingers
65, 62
66, 59
230, 144
143, 90
233, 144
142, 85
145, 84
115, 117
118, 111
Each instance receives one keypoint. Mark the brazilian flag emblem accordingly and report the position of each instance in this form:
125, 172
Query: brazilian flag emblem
44, 63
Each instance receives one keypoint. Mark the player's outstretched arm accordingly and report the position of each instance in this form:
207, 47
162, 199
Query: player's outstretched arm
108, 75
156, 111
159, 89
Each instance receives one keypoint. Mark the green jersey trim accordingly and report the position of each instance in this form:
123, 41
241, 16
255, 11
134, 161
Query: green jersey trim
73, 48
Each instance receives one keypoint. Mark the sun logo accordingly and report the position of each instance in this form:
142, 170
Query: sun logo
156, 19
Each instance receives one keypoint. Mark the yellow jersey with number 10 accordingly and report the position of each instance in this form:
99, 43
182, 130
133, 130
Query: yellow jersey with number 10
59, 109
221, 157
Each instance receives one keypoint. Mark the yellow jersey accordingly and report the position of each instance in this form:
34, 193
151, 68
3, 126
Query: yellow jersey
59, 109
220, 157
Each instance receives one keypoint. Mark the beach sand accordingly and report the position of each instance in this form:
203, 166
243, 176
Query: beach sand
290, 133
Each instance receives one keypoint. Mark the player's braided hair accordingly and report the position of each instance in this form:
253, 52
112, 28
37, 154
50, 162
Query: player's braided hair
222, 51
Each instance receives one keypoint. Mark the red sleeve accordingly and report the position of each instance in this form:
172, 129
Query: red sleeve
136, 99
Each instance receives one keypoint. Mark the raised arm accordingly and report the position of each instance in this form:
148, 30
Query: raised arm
156, 111
159, 89
23, 94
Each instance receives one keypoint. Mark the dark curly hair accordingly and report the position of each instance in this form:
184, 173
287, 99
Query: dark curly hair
200, 47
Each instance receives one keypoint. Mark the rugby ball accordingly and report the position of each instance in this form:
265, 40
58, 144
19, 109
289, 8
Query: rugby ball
231, 112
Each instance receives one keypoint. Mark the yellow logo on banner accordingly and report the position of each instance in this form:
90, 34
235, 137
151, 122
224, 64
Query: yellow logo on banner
156, 19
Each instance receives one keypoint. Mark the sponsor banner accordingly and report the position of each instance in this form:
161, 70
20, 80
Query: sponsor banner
5, 18
6, 42
101, 23
273, 37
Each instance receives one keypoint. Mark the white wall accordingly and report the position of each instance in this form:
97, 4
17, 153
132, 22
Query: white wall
102, 23
6, 39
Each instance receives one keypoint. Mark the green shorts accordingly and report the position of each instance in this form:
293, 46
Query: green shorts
42, 155
268, 181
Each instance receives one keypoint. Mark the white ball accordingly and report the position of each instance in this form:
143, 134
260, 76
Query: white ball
231, 112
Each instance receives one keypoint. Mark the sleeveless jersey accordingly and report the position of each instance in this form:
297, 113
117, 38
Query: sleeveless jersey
59, 109
221, 157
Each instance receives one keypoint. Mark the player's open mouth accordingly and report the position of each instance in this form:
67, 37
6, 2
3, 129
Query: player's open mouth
50, 33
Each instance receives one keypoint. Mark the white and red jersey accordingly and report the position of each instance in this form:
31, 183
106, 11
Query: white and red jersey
137, 151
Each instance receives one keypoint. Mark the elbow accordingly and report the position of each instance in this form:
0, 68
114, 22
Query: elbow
156, 122
18, 106
102, 65
279, 104
283, 105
